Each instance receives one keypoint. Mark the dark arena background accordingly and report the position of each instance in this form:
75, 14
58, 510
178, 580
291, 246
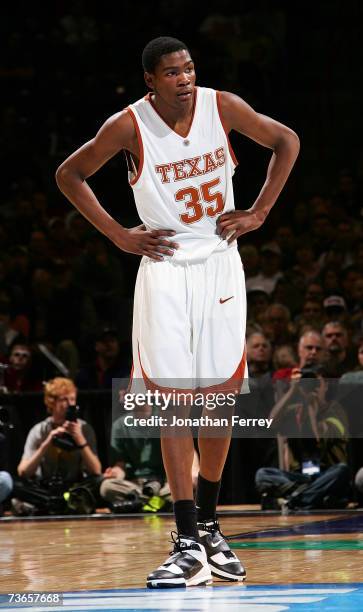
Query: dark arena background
66, 299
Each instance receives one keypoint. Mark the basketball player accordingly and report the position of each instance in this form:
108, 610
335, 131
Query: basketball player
190, 307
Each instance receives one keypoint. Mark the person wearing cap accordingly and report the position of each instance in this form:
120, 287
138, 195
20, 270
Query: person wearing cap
335, 308
108, 362
270, 268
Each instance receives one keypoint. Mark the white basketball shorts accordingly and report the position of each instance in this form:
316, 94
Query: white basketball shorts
189, 325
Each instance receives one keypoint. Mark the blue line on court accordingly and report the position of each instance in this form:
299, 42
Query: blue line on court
276, 598
352, 524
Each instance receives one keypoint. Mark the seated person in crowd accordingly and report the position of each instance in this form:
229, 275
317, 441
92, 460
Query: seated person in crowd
6, 481
137, 478
58, 452
258, 354
338, 359
270, 268
277, 324
20, 374
108, 363
310, 352
315, 473
283, 357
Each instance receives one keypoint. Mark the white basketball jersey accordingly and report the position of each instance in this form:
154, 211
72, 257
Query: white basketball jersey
184, 183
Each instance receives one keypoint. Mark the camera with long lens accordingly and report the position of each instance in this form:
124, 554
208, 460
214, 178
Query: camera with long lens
310, 377
65, 441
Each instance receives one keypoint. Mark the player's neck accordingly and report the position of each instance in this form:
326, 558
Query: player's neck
173, 115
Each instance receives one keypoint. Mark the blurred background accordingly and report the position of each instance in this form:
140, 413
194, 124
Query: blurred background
65, 67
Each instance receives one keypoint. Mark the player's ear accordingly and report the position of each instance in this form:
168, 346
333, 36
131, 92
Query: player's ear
149, 80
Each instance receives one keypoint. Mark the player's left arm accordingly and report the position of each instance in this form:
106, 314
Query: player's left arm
238, 115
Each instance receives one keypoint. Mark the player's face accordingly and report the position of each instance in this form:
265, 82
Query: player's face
173, 79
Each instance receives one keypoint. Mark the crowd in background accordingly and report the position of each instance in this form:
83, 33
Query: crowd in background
66, 293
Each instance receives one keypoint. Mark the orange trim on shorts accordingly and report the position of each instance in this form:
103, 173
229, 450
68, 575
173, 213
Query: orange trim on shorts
235, 160
232, 385
141, 146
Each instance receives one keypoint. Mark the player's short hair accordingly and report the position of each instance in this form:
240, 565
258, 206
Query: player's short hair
158, 47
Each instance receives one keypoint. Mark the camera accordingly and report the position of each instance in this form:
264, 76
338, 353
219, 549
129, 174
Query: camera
66, 441
151, 488
72, 413
309, 374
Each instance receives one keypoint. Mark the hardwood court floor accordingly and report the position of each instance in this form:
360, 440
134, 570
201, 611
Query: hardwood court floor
119, 553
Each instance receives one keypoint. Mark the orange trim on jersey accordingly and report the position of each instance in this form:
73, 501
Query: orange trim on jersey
131, 377
232, 385
148, 98
141, 146
235, 160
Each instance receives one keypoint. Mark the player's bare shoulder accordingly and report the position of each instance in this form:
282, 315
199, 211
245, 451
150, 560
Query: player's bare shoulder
235, 111
119, 132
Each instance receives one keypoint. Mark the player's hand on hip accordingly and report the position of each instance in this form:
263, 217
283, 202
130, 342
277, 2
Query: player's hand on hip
151, 243
233, 224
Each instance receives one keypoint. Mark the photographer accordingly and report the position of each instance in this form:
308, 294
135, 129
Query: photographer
137, 478
59, 451
316, 474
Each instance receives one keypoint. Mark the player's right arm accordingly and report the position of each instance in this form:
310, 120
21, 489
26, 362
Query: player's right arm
117, 133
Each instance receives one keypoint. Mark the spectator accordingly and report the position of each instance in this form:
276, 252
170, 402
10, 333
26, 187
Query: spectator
258, 301
250, 259
277, 324
348, 278
258, 354
270, 269
8, 333
335, 308
312, 315
315, 473
284, 357
21, 376
98, 272
6, 481
310, 353
335, 341
286, 240
330, 280
109, 363
57, 453
314, 292
305, 261
357, 305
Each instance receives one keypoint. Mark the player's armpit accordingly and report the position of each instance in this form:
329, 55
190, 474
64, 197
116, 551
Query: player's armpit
116, 133
240, 116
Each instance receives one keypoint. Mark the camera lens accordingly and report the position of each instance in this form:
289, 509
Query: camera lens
151, 487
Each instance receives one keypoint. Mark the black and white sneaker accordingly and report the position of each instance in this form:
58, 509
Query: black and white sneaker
222, 561
186, 566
